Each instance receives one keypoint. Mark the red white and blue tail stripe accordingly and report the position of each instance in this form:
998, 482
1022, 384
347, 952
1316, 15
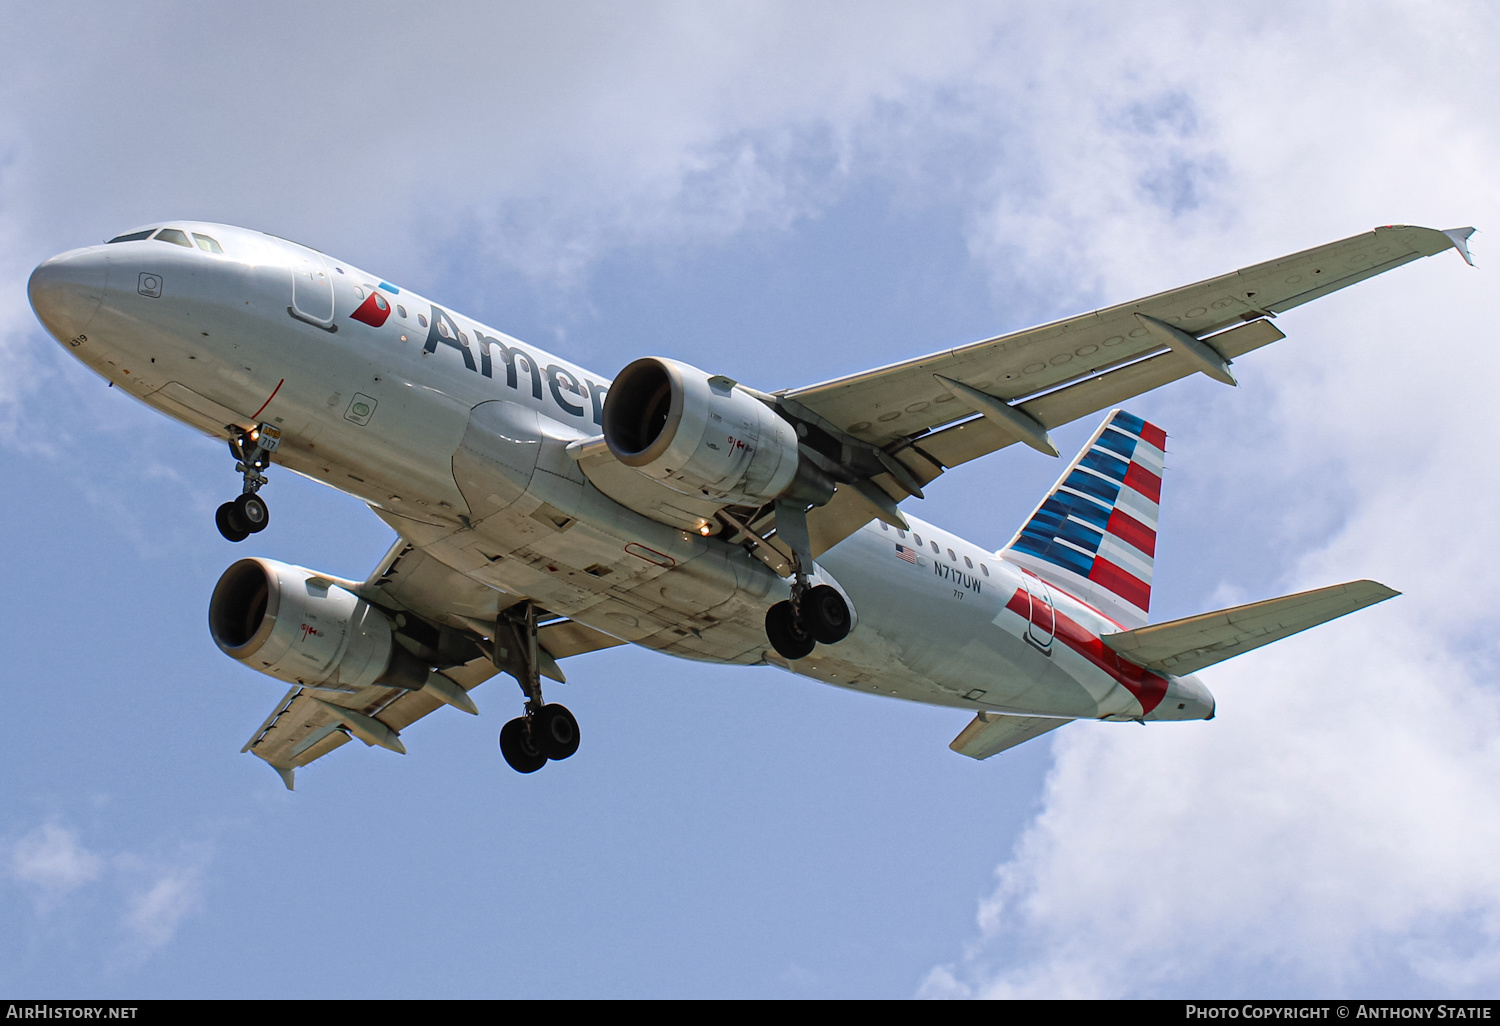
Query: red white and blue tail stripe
1094, 536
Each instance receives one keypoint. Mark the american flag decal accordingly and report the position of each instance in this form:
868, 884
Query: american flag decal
910, 555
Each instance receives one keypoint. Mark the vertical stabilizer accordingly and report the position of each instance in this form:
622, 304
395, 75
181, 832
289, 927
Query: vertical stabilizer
1094, 535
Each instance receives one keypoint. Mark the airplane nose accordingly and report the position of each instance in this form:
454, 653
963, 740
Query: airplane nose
67, 290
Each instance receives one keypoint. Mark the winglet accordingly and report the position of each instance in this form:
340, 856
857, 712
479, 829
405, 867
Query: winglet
288, 775
1460, 239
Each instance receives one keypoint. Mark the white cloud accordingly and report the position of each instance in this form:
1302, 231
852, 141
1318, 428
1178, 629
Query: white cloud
1333, 830
154, 913
152, 894
50, 862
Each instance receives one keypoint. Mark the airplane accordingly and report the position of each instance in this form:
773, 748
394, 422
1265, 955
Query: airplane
543, 510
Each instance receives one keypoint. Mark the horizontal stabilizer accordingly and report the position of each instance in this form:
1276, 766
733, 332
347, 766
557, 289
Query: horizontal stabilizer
992, 733
1188, 645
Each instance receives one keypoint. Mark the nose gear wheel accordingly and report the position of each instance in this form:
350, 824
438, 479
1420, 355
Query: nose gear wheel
248, 514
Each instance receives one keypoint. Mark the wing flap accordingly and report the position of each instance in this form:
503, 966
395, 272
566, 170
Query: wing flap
992, 733
981, 436
1188, 645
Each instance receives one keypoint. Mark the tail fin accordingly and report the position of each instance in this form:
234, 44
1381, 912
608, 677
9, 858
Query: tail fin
1094, 535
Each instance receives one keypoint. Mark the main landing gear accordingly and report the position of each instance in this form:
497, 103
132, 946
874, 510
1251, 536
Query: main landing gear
813, 616
239, 518
545, 731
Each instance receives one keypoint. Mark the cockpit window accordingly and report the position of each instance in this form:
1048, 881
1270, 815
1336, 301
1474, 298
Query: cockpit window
207, 245
174, 236
134, 236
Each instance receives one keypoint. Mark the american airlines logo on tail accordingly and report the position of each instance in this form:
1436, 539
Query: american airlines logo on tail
1095, 534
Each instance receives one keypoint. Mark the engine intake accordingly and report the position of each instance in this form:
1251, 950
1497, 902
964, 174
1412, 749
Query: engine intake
305, 628
702, 436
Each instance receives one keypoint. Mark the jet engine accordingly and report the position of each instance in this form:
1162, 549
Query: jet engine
305, 628
702, 436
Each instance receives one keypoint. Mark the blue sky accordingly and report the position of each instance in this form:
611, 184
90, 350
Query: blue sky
782, 193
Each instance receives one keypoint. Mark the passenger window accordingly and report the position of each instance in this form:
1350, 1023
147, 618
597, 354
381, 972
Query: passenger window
900, 534
133, 236
207, 245
174, 236
884, 526
422, 320
400, 311
951, 557
984, 569
934, 545
359, 292
917, 538
968, 562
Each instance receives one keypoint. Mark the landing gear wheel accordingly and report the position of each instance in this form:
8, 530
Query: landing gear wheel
555, 731
230, 526
252, 511
788, 637
519, 747
826, 615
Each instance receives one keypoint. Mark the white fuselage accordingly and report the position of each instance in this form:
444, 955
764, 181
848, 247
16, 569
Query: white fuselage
457, 435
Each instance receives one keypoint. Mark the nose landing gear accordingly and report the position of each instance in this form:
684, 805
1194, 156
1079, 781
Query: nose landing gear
239, 518
546, 731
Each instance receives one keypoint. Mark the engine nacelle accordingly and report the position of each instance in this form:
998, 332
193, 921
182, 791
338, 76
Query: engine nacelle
699, 435
304, 628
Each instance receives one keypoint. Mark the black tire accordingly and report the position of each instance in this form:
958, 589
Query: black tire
556, 731
519, 748
229, 524
252, 511
788, 636
826, 614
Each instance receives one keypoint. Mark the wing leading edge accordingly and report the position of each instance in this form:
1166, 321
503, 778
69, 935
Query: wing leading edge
939, 411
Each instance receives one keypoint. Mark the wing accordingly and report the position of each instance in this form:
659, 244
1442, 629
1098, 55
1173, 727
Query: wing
907, 423
894, 403
439, 610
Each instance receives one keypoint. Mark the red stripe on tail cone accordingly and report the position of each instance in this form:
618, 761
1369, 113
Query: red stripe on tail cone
1143, 481
1124, 584
1148, 688
1155, 435
1131, 531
